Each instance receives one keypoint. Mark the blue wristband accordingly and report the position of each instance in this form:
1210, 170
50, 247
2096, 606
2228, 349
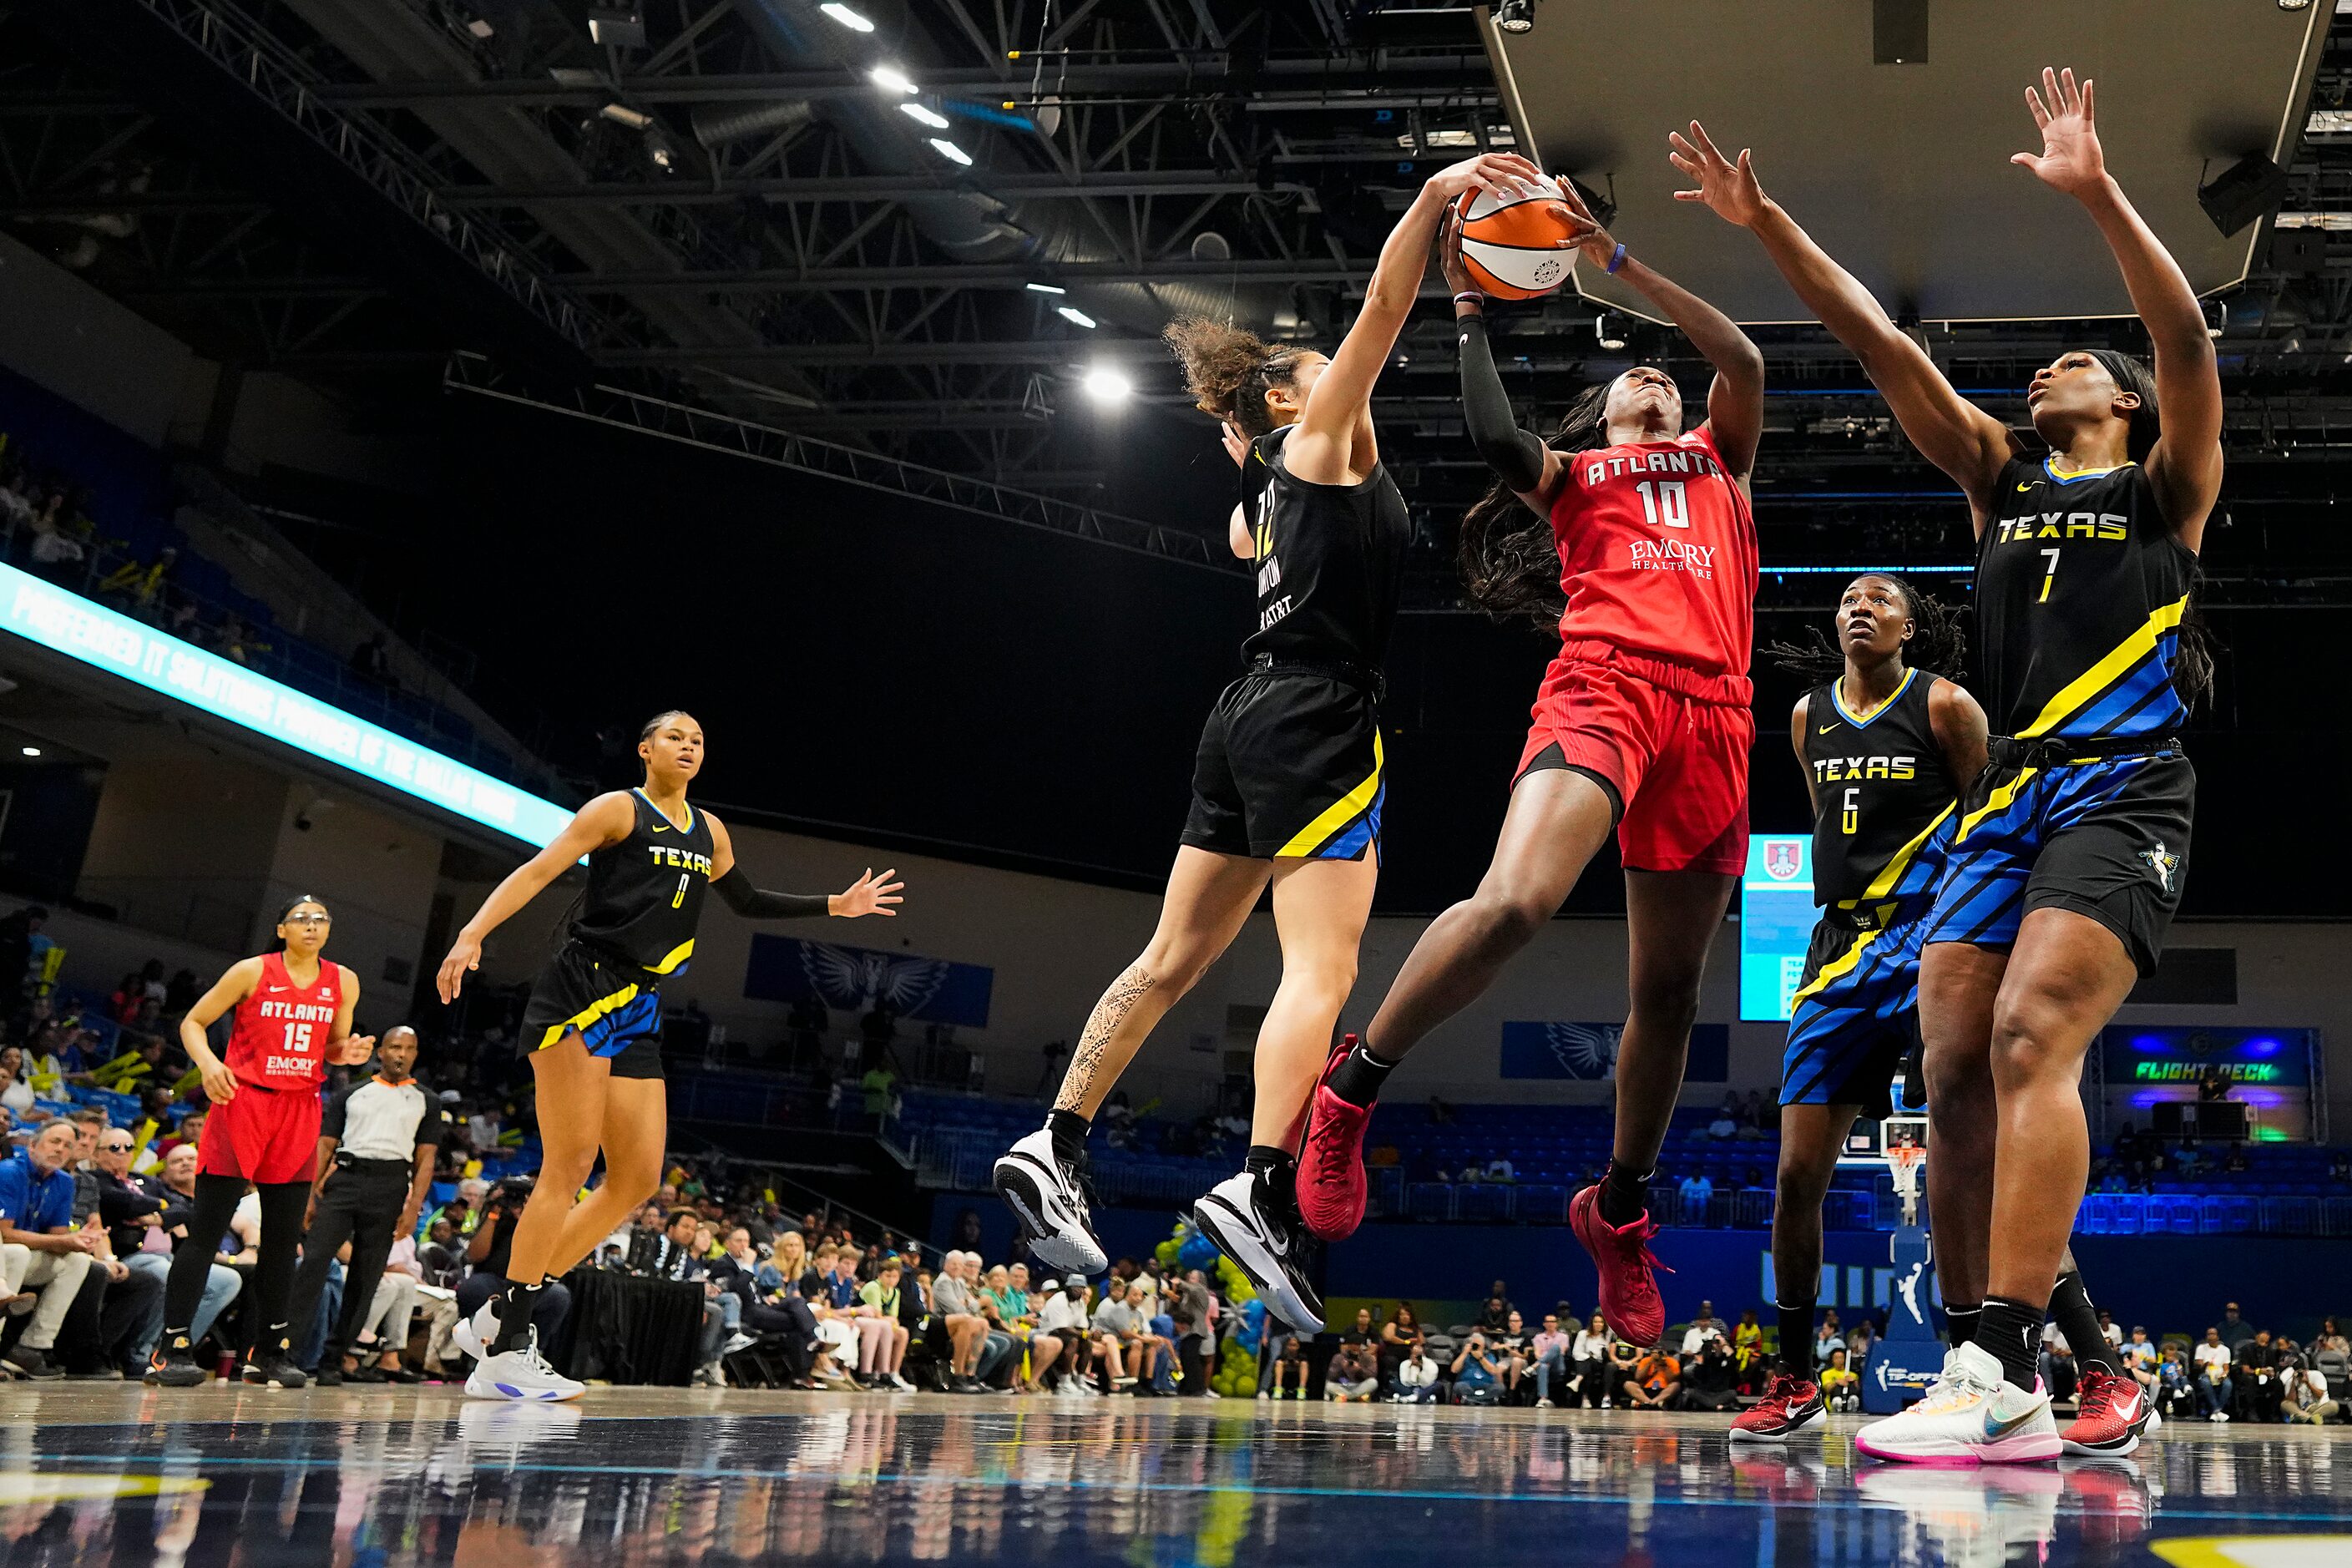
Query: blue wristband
1617, 260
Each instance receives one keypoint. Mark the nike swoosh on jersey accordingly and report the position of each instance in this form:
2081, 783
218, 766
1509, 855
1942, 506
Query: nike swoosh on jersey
2027, 486
664, 828
1827, 728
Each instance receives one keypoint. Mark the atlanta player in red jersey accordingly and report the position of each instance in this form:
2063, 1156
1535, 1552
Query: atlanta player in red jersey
292, 1020
1642, 725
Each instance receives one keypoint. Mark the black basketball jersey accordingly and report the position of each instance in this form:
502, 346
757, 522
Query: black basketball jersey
1883, 797
2080, 585
645, 893
1330, 560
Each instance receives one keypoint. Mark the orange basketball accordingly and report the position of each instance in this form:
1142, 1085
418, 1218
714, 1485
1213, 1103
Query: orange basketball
1518, 243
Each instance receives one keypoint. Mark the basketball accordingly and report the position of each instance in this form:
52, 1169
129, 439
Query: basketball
1517, 244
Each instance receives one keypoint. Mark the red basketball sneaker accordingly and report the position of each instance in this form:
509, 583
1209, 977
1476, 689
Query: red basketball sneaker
2111, 1411
1629, 1302
1788, 1406
1331, 1162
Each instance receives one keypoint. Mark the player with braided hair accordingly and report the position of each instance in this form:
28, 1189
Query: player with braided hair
1887, 744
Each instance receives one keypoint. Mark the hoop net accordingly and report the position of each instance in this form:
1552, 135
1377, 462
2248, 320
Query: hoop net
1907, 1156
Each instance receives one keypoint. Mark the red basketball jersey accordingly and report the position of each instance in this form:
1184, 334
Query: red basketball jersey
1657, 553
278, 1038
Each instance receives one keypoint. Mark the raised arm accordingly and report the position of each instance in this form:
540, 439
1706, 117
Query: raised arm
1334, 444
607, 819
2185, 466
1968, 444
1521, 460
1734, 403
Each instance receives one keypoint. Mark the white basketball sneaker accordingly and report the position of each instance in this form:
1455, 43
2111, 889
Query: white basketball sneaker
475, 1335
521, 1375
1972, 1415
1262, 1234
1046, 1195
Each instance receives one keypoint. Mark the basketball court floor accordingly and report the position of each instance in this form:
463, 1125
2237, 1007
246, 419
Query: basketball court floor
118, 1475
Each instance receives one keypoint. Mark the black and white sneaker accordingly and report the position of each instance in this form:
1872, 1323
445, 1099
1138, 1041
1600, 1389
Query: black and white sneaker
1252, 1225
1045, 1194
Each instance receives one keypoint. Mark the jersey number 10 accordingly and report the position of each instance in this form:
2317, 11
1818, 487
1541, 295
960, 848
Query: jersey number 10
1668, 508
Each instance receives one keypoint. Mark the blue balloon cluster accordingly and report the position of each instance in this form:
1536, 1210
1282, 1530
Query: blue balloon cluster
1198, 1252
1251, 1332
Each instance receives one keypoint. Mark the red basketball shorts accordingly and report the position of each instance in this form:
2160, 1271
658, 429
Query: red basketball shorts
264, 1135
1673, 746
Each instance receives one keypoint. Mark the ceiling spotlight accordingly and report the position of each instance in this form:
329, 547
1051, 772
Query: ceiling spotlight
1075, 316
950, 152
35, 750
622, 114
922, 116
1107, 384
890, 79
1516, 16
618, 27
1046, 288
1610, 333
847, 18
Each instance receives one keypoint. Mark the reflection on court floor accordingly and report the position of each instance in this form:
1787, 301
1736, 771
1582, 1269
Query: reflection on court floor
108, 1475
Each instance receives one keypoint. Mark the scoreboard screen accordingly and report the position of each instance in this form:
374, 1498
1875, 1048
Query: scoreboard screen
1776, 922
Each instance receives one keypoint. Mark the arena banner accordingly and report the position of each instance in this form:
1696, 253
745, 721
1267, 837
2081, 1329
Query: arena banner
853, 979
1590, 1051
68, 623
2139, 1057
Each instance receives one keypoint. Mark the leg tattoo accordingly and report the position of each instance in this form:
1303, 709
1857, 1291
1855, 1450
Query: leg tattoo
1110, 1012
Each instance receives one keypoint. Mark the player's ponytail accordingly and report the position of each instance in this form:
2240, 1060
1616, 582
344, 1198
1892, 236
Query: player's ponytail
1229, 369
1510, 560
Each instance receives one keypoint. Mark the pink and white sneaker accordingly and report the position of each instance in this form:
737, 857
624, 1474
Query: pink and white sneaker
1972, 1415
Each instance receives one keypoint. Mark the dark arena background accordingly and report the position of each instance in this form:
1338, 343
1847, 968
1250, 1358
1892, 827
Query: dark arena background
402, 402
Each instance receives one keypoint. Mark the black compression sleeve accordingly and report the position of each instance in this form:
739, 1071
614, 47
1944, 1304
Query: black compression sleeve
1516, 456
753, 903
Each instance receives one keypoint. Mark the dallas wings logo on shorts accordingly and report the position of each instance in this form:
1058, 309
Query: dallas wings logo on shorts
2163, 862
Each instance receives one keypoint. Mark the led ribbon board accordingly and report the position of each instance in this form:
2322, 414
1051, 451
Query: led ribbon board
1776, 923
68, 623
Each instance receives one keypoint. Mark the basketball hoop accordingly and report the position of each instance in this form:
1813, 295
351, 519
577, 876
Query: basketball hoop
1905, 1153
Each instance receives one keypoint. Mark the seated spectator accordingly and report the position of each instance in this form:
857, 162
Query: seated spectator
2140, 1357
42, 1253
1414, 1381
1499, 1169
1551, 1349
1841, 1386
1707, 1377
1656, 1382
1477, 1372
1128, 1340
1290, 1369
2256, 1373
1495, 1315
2213, 1386
956, 1303
1397, 1336
1588, 1357
1748, 1351
878, 1300
1352, 1373
1062, 1316
1514, 1349
1695, 1193
1828, 1337
2059, 1369
2177, 1394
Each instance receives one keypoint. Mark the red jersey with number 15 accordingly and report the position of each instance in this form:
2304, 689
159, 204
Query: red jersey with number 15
278, 1037
1658, 556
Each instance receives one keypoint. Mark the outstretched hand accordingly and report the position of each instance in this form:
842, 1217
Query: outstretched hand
1486, 172
465, 956
2070, 159
1237, 446
1729, 189
870, 895
1449, 254
352, 1051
